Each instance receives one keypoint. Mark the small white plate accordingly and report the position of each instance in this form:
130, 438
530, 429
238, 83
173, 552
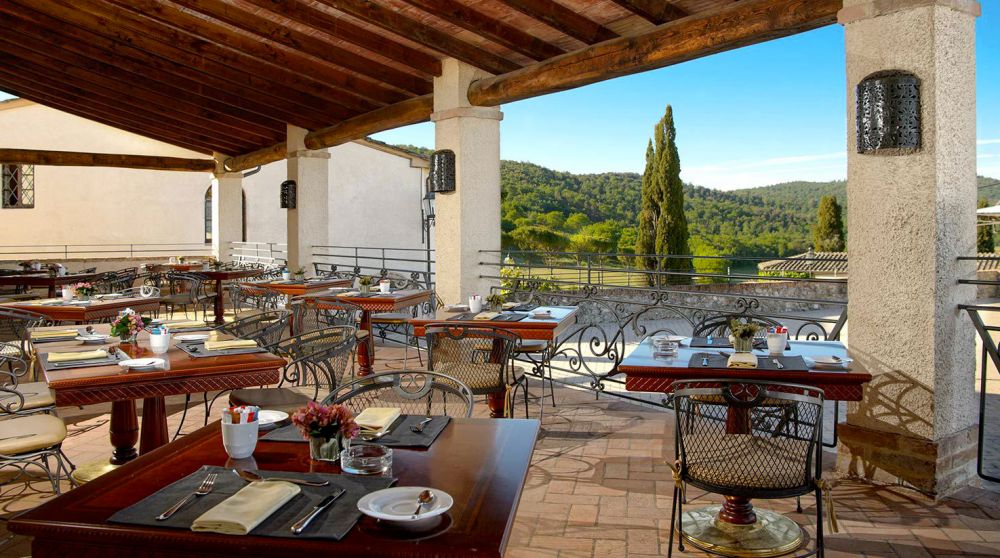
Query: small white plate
111, 296
142, 363
269, 419
829, 361
192, 337
397, 504
96, 339
457, 308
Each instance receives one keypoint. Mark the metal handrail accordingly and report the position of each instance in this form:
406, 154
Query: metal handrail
130, 250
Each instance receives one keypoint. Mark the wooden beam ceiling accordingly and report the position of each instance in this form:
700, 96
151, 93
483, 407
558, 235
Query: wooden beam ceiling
78, 159
564, 19
656, 12
742, 24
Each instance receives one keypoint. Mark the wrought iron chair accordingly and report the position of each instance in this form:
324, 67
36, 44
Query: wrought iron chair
308, 316
385, 323
741, 449
88, 270
479, 357
264, 327
32, 439
145, 291
246, 296
36, 396
318, 357
15, 331
185, 289
414, 392
117, 281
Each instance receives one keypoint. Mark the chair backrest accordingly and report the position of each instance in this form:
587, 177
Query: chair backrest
188, 284
16, 323
317, 355
718, 325
753, 439
145, 291
117, 281
252, 296
479, 356
88, 270
315, 312
265, 326
414, 392
13, 366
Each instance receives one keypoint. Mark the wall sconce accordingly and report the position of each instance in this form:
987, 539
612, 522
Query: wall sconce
442, 172
288, 195
888, 113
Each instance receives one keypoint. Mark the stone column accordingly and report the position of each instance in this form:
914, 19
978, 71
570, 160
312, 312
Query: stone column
227, 210
468, 219
911, 215
308, 222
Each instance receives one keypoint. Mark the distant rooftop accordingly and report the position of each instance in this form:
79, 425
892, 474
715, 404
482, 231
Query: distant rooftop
835, 263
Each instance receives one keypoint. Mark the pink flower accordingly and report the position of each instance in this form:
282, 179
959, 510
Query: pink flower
325, 421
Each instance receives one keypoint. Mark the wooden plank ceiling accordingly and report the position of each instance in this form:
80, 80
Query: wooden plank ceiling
227, 75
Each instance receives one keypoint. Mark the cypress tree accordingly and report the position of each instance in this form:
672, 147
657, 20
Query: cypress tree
672, 228
828, 234
648, 214
984, 233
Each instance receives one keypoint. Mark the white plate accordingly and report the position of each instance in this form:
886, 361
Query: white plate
110, 296
142, 363
269, 419
829, 361
93, 339
398, 503
192, 337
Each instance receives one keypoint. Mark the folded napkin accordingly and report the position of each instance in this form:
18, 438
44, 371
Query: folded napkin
53, 333
185, 325
241, 512
377, 419
742, 360
83, 355
486, 315
230, 344
350, 293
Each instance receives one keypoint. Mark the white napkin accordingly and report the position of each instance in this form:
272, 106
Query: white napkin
377, 419
241, 512
742, 360
53, 333
230, 344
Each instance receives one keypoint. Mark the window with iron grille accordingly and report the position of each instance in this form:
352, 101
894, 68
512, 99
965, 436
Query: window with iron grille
18, 186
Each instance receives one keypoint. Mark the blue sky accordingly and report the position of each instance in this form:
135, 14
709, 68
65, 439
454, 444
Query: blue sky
759, 115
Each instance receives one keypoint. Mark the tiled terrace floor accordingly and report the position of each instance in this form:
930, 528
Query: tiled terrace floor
599, 487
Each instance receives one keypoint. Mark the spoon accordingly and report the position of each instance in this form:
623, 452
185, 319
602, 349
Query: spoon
419, 427
254, 477
425, 498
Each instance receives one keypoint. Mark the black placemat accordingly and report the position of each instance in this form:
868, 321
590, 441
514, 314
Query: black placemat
112, 358
464, 316
333, 523
198, 350
715, 360
399, 436
723, 343
509, 317
524, 308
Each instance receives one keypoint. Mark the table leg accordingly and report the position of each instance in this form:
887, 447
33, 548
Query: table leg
220, 310
52, 290
154, 424
366, 351
124, 431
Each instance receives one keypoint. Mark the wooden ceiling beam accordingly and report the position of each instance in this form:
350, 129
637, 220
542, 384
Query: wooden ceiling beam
423, 34
405, 113
306, 14
353, 90
560, 17
136, 93
311, 45
127, 25
656, 12
69, 104
80, 159
742, 24
459, 14
165, 60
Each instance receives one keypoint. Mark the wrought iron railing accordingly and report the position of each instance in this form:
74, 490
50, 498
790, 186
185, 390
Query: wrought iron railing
95, 251
415, 264
269, 253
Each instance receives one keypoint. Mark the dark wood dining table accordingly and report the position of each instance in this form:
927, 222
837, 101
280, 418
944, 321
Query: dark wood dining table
397, 301
43, 279
299, 288
480, 463
113, 384
98, 308
648, 373
544, 329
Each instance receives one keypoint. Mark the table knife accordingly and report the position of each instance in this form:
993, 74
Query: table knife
301, 524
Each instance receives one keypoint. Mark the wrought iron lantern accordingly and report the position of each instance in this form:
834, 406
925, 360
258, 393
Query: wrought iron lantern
442, 172
288, 194
888, 113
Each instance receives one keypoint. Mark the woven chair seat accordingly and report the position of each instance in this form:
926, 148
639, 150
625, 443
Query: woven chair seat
481, 378
765, 463
43, 431
36, 395
391, 318
278, 399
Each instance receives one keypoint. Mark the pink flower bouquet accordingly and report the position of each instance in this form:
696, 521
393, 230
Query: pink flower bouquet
325, 421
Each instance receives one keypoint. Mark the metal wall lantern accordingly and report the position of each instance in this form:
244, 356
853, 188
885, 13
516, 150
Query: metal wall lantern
442, 172
888, 113
288, 194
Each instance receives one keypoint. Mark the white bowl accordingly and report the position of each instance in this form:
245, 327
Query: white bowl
396, 506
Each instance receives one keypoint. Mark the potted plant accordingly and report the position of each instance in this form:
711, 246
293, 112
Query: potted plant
328, 428
742, 335
495, 301
128, 324
365, 283
84, 290
300, 274
180, 259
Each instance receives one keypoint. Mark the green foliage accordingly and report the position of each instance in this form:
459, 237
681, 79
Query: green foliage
626, 245
708, 265
576, 221
984, 233
785, 274
828, 234
540, 238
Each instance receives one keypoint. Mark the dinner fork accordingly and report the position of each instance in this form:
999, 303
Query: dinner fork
205, 488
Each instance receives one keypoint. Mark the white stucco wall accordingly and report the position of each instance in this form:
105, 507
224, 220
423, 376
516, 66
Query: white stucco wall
83, 205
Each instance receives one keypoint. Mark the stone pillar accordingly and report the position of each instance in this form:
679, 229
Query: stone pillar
468, 219
911, 215
227, 210
308, 223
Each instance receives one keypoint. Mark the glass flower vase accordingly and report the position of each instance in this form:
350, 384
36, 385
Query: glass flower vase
742, 345
322, 448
